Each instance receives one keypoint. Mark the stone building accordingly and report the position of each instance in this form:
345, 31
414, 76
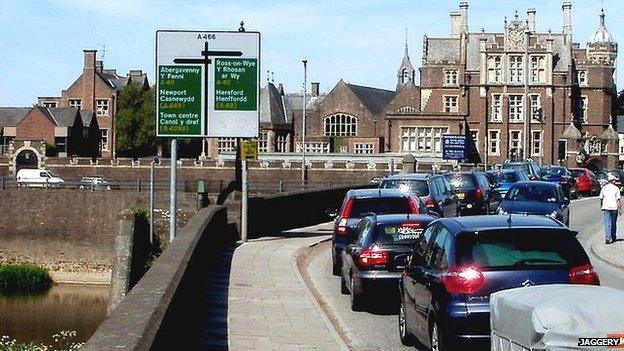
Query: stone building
565, 92
97, 89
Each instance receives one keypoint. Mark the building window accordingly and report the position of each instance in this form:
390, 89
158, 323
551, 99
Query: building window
75, 103
423, 139
515, 69
450, 77
495, 69
226, 144
363, 148
341, 125
450, 104
516, 108
281, 143
101, 108
315, 147
50, 104
581, 78
61, 144
538, 69
536, 149
263, 141
104, 139
515, 143
497, 108
494, 142
562, 149
583, 109
536, 110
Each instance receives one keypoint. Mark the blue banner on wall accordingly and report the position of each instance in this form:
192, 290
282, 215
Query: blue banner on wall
454, 147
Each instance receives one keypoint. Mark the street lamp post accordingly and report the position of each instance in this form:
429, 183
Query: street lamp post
303, 132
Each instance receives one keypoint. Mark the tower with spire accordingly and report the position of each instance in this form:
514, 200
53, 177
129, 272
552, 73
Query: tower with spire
602, 48
406, 74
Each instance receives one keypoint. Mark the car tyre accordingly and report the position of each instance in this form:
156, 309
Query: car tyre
336, 267
407, 338
344, 289
436, 341
356, 299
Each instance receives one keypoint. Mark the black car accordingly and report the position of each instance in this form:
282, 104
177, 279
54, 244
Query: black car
433, 189
474, 192
562, 176
537, 198
375, 262
531, 168
459, 262
362, 202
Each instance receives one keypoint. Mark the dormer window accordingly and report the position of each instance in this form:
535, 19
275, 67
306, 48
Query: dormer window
450, 77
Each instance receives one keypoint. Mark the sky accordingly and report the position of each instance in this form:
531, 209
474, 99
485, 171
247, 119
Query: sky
359, 41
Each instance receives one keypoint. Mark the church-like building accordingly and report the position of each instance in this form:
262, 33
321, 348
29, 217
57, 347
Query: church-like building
494, 81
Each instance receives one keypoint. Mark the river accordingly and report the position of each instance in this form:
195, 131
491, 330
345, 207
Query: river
63, 307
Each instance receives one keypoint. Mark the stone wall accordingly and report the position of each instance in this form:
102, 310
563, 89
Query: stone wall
70, 230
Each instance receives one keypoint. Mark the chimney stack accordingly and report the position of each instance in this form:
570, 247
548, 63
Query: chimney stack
455, 24
531, 18
99, 66
463, 11
567, 17
89, 59
315, 88
280, 88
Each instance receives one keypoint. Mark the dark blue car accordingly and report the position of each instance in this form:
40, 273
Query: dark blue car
537, 198
562, 176
458, 262
362, 202
373, 264
503, 179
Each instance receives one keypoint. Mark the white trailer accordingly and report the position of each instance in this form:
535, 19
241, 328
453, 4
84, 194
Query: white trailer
556, 317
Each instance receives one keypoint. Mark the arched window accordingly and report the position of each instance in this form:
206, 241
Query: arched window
340, 125
404, 76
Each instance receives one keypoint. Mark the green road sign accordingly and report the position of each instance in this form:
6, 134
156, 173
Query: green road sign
236, 84
180, 109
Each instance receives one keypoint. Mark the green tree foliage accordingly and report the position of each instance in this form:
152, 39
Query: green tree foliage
136, 133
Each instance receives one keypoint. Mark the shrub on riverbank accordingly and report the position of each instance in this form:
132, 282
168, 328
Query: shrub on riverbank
63, 341
23, 278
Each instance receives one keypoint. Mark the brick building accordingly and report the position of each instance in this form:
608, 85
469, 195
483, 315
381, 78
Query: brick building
480, 77
97, 89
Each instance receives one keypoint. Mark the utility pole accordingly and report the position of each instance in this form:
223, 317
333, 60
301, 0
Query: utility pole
303, 132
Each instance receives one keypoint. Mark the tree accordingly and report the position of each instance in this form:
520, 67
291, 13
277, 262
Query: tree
136, 133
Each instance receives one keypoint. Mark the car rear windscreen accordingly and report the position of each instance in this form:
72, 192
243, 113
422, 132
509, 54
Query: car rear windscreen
522, 166
379, 206
461, 180
508, 177
408, 186
520, 249
533, 192
397, 233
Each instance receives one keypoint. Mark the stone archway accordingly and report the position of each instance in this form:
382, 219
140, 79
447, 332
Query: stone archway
26, 157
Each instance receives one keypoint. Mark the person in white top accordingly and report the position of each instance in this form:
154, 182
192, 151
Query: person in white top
611, 207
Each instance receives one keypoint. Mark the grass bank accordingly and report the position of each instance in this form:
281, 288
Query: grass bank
23, 279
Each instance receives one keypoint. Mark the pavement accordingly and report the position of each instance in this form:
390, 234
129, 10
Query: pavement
613, 253
269, 305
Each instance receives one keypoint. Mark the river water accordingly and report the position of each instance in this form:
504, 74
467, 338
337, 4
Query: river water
64, 307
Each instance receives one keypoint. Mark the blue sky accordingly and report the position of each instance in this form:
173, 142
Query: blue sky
360, 41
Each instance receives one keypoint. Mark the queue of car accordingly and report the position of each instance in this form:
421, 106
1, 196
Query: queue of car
444, 242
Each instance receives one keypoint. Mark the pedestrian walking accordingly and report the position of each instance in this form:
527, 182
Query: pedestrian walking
611, 207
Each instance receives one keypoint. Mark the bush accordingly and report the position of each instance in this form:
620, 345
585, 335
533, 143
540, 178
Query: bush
63, 341
23, 278
144, 253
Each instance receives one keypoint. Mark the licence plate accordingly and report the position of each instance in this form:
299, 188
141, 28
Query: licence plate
461, 196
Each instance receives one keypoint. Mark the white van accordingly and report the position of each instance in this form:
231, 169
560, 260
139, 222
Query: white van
37, 178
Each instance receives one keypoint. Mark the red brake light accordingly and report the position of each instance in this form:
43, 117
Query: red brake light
346, 211
479, 194
463, 280
413, 205
413, 225
585, 274
373, 257
430, 203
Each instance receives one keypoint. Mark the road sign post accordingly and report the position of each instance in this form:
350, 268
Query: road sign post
207, 86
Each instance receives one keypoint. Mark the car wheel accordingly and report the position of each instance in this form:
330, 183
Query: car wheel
435, 338
344, 289
407, 338
355, 298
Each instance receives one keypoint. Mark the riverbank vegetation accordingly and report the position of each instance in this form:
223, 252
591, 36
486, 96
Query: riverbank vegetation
23, 279
63, 341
